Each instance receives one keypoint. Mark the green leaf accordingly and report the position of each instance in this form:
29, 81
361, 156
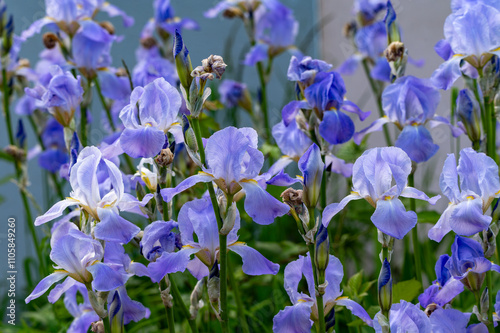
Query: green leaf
428, 216
6, 157
406, 290
355, 281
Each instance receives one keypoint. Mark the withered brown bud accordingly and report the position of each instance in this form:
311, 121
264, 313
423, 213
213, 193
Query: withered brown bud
108, 26
232, 13
50, 40
293, 198
213, 65
165, 158
17, 153
24, 62
97, 327
430, 309
394, 51
148, 42
349, 29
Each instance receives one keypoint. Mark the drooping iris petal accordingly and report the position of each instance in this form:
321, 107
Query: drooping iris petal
356, 309
294, 319
169, 193
45, 284
262, 207
391, 218
336, 127
417, 142
254, 263
169, 262
256, 54
114, 228
332, 209
55, 211
447, 73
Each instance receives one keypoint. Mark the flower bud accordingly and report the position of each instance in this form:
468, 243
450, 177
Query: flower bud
196, 299
322, 254
473, 281
385, 287
391, 24
312, 168
229, 220
159, 199
116, 313
190, 141
469, 113
485, 303
213, 65
182, 61
489, 243
50, 40
20, 134
330, 319
165, 158
213, 287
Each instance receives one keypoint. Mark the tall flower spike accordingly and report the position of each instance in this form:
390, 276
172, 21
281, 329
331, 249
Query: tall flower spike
374, 174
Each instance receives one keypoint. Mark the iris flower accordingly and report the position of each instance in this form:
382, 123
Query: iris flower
298, 317
234, 163
471, 188
102, 207
374, 174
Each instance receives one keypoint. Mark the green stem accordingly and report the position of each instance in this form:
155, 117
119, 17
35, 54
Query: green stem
414, 233
222, 238
491, 327
83, 120
263, 100
104, 104
168, 309
319, 297
107, 326
6, 95
239, 301
182, 306
378, 97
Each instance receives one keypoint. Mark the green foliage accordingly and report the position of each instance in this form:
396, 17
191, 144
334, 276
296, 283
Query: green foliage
406, 290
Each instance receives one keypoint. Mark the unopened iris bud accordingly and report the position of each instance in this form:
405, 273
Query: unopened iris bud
50, 40
116, 312
159, 199
473, 281
182, 61
20, 134
489, 243
312, 168
229, 220
391, 25
190, 141
330, 319
196, 298
485, 304
385, 288
322, 254
213, 287
469, 113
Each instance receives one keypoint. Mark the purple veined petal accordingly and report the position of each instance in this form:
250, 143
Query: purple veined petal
116, 179
113, 11
382, 70
353, 108
451, 289
411, 192
443, 225
112, 150
443, 49
417, 142
146, 141
169, 193
481, 265
113, 227
107, 277
176, 131
333, 209
55, 211
447, 73
467, 218
449, 320
349, 66
83, 322
283, 179
256, 54
45, 284
427, 297
198, 269
356, 309
290, 111
291, 140
60, 289
294, 319
374, 127
262, 207
391, 218
334, 273
170, 262
336, 127
254, 263
438, 120
496, 268
138, 269
448, 180
129, 203
59, 230
337, 165
293, 276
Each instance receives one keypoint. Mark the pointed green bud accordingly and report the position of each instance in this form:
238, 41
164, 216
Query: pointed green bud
182, 61
385, 288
